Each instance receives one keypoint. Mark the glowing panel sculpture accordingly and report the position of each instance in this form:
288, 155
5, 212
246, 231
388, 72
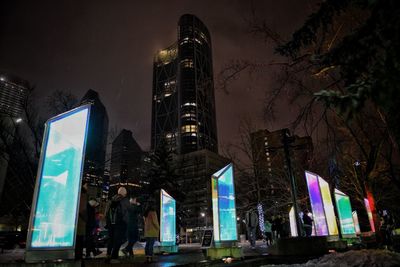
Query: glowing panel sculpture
345, 214
317, 205
356, 223
369, 212
328, 207
292, 221
167, 219
223, 202
56, 198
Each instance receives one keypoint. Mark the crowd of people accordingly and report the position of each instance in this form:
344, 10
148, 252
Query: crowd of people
122, 223
278, 226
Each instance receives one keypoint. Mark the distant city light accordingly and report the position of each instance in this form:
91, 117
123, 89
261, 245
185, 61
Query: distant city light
18, 120
202, 214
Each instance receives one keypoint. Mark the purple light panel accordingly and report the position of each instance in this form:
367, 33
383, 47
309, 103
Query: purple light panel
317, 206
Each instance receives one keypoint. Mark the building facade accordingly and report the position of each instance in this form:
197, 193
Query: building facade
183, 104
126, 159
96, 145
194, 171
13, 94
270, 164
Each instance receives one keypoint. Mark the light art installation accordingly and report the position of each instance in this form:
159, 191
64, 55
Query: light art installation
369, 212
345, 214
261, 218
356, 222
56, 198
328, 207
317, 205
292, 221
167, 219
223, 203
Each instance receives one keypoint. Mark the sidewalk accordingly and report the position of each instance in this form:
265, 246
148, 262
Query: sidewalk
188, 255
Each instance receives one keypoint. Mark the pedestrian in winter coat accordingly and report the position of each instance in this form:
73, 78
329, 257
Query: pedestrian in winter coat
151, 230
268, 232
251, 224
116, 224
134, 210
307, 223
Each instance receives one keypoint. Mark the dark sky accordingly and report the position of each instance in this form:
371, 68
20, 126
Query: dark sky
108, 46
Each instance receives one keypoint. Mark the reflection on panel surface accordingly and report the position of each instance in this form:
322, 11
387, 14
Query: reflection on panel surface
345, 214
317, 206
224, 209
328, 206
168, 219
55, 208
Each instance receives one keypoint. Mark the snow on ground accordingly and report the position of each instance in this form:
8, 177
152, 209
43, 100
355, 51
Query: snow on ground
353, 258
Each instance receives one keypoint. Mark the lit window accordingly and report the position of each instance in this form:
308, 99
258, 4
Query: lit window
189, 129
189, 104
187, 63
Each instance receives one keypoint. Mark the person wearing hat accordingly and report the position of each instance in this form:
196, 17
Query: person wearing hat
116, 223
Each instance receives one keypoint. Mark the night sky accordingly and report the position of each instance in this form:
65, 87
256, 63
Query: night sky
108, 46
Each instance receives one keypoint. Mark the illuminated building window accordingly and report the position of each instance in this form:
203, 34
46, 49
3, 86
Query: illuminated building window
189, 129
187, 63
186, 40
198, 41
189, 104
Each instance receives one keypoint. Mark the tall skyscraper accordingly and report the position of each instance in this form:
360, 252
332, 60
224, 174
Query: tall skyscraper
126, 156
13, 94
183, 110
96, 146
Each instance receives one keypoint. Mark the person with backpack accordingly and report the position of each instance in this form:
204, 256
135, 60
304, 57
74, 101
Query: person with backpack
116, 217
134, 210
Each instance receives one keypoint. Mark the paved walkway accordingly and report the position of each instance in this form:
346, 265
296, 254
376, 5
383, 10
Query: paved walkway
188, 255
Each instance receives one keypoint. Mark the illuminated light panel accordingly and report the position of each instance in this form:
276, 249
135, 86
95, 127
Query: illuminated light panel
369, 212
345, 214
292, 221
224, 208
317, 205
55, 207
356, 222
167, 219
328, 207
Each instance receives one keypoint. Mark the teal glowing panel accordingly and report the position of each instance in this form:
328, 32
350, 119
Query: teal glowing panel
55, 208
345, 213
224, 208
167, 219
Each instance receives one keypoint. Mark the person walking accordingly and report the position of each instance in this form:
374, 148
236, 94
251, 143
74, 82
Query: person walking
116, 217
134, 210
151, 230
91, 228
268, 231
251, 224
307, 223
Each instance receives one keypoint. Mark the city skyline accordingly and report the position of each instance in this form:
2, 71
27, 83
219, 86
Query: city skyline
114, 57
